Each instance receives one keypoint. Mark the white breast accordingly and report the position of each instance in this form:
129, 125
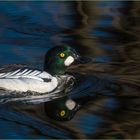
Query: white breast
28, 80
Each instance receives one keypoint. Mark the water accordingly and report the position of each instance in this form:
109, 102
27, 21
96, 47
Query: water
107, 31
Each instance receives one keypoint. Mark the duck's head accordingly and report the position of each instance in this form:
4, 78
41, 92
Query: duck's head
62, 109
59, 58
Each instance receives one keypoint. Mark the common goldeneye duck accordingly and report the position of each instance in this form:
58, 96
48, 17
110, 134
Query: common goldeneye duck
21, 83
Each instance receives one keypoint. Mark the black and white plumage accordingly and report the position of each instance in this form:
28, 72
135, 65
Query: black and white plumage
21, 83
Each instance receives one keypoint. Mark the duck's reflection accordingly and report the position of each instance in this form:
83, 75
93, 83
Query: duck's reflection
62, 109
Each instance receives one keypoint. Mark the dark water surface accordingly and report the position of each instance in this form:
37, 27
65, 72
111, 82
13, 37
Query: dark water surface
107, 31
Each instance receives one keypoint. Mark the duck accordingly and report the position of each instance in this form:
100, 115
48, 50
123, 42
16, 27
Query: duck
30, 85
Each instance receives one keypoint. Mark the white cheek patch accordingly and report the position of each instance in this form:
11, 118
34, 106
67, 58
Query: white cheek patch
69, 60
70, 104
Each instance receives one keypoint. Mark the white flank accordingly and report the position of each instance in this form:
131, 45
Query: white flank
25, 81
69, 60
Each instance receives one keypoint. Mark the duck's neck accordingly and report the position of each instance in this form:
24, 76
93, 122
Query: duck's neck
55, 70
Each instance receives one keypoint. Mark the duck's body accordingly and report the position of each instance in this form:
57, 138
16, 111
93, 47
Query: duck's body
22, 79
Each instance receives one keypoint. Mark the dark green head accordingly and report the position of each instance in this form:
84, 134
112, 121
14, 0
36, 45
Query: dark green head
59, 58
62, 109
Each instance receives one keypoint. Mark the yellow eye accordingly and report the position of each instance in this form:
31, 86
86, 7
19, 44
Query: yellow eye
62, 113
62, 55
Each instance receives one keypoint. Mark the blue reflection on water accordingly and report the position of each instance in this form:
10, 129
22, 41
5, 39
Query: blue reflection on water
90, 123
28, 30
16, 125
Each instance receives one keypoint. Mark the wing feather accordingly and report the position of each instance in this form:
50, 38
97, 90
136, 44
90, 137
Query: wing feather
22, 71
